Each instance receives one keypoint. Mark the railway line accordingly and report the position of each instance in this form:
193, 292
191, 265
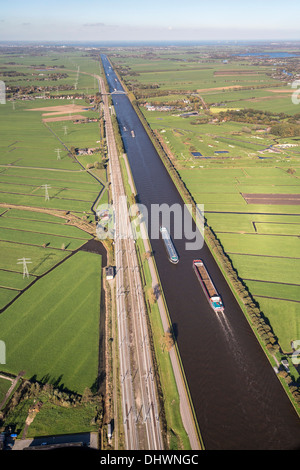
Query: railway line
139, 401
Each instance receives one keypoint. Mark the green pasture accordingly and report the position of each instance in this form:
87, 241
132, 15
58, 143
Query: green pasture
52, 419
41, 67
78, 135
252, 223
52, 203
4, 387
55, 419
53, 191
42, 226
39, 239
67, 190
284, 318
274, 290
221, 191
281, 246
266, 268
43, 238
14, 280
274, 102
78, 178
27, 141
42, 259
52, 330
19, 227
195, 76
6, 296
229, 144
32, 215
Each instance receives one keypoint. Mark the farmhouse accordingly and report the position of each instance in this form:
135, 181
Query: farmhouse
110, 273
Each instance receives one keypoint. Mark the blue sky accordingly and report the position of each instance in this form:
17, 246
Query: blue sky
98, 20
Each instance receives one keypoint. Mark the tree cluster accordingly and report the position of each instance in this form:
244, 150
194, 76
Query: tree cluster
48, 392
250, 116
285, 129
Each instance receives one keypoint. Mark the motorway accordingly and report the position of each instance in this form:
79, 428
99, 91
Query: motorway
139, 400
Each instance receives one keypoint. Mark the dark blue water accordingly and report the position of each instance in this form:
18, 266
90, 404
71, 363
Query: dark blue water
238, 400
277, 55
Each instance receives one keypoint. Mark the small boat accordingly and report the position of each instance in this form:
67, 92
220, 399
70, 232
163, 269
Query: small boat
208, 287
173, 256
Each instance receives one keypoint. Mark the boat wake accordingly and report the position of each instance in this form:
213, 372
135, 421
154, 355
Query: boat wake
232, 340
229, 333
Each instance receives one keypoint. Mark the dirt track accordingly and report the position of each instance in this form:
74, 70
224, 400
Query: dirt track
275, 199
61, 109
64, 118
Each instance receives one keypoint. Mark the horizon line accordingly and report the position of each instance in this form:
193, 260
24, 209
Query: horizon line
148, 41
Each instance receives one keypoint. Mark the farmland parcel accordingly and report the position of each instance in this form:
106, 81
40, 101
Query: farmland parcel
50, 281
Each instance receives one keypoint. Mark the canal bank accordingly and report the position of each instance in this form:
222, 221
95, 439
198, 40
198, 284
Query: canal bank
238, 400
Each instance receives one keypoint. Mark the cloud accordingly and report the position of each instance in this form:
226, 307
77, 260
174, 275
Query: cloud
95, 25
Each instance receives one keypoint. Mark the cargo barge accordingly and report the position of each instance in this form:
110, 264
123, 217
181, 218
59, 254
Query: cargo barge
173, 257
208, 286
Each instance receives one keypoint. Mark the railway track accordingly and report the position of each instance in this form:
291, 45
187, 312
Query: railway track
139, 400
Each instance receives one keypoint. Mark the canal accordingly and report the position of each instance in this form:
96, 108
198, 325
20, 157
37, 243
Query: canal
238, 400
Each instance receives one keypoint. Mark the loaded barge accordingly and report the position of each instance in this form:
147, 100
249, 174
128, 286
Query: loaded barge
208, 286
173, 257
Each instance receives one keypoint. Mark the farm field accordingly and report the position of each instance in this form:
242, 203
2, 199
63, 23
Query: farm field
52, 329
29, 161
44, 242
39, 71
50, 317
261, 240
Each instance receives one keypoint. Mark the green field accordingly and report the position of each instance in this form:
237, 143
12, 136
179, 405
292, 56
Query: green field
50, 318
42, 238
4, 387
261, 240
52, 330
29, 159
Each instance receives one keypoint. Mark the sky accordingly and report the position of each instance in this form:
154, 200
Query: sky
156, 20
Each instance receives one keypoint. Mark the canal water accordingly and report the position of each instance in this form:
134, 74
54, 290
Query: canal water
238, 400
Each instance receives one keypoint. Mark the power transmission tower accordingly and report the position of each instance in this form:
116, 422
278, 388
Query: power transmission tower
58, 153
46, 186
24, 262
